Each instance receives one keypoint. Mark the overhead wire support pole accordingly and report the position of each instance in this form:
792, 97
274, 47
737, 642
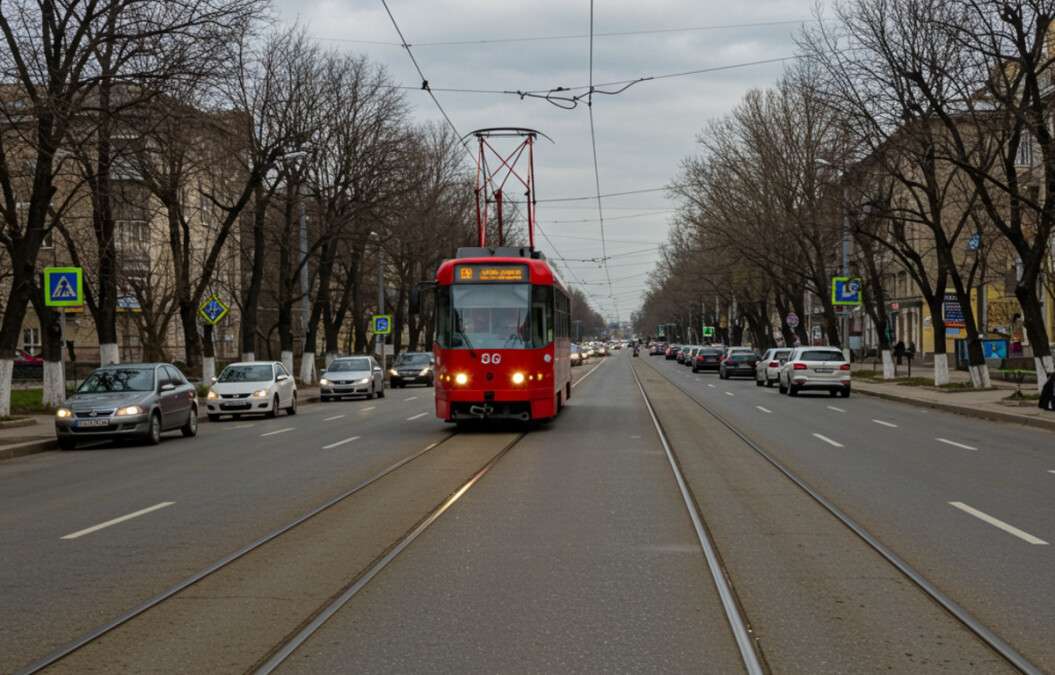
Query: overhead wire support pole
597, 170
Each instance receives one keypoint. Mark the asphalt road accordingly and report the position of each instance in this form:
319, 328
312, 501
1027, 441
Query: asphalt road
969, 503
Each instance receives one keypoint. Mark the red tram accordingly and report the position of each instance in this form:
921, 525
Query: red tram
503, 317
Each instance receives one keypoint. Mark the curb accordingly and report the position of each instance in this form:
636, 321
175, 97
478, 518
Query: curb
18, 423
991, 415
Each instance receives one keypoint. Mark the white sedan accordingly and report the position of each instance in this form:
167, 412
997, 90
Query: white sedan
252, 387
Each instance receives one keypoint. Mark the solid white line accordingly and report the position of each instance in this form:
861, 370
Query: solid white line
334, 445
335, 417
831, 407
829, 441
410, 419
1051, 470
130, 516
412, 398
241, 426
955, 444
1010, 529
367, 408
588, 373
729, 393
278, 431
765, 410
885, 424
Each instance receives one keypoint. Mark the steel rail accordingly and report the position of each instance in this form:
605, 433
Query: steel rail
741, 633
156, 600
983, 632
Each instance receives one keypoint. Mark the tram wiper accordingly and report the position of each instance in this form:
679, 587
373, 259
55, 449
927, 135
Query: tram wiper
468, 343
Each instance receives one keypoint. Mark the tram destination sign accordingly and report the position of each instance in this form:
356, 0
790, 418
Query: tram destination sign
472, 274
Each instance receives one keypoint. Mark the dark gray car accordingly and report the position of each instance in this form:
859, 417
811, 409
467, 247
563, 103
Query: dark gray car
137, 401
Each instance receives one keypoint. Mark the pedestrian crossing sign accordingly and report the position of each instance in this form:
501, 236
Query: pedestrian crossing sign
213, 310
382, 324
63, 287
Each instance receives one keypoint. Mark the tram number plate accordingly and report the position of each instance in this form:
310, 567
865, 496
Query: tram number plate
491, 273
491, 359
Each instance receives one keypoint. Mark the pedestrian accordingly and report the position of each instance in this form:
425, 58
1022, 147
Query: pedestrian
899, 351
911, 351
1047, 394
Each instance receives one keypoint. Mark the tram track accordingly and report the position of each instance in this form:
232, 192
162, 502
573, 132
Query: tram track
738, 622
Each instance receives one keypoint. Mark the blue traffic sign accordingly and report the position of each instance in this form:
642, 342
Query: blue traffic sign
846, 291
974, 242
383, 324
63, 287
213, 310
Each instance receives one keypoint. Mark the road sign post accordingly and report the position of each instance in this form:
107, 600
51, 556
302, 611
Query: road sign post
846, 291
792, 320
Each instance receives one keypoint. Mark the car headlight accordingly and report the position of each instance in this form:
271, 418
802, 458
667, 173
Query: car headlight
262, 393
424, 372
365, 380
461, 378
324, 382
129, 410
212, 395
63, 413
393, 372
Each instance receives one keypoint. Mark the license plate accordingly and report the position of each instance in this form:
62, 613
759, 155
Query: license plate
93, 423
826, 371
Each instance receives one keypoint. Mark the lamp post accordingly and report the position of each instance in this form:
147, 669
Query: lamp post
381, 303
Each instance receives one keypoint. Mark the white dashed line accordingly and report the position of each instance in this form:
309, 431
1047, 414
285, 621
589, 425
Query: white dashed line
765, 410
335, 417
831, 407
995, 522
121, 519
711, 386
367, 408
829, 441
334, 445
411, 419
1051, 470
955, 444
241, 426
885, 424
412, 398
277, 431
729, 393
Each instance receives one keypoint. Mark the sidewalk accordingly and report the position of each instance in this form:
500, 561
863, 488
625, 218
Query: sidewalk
26, 440
979, 404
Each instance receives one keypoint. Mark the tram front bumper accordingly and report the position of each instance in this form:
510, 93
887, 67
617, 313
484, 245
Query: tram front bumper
510, 404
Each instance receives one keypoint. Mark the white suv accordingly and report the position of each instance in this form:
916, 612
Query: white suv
815, 368
252, 387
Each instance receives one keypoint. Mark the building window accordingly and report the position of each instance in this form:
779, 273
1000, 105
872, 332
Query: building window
1024, 156
31, 340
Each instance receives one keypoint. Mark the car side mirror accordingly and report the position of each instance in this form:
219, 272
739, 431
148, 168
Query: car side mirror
281, 378
168, 386
214, 380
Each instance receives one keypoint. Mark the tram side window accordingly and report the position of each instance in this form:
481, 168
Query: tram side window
541, 315
443, 316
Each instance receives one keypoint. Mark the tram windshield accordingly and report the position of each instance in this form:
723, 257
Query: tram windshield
498, 316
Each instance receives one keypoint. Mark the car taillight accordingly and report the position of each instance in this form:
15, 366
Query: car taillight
774, 364
845, 366
800, 366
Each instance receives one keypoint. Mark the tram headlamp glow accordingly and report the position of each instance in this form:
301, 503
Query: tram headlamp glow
518, 378
461, 378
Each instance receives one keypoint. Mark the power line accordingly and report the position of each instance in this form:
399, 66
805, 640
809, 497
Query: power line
540, 38
596, 167
625, 217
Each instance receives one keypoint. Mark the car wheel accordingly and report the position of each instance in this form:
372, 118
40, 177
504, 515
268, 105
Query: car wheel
190, 429
758, 382
846, 393
769, 382
324, 399
781, 388
292, 410
793, 390
153, 436
67, 443
213, 417
273, 412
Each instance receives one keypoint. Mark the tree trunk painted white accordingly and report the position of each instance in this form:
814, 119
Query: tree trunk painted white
7, 369
249, 356
208, 369
941, 369
287, 361
108, 354
54, 393
330, 356
980, 376
888, 364
307, 368
1044, 368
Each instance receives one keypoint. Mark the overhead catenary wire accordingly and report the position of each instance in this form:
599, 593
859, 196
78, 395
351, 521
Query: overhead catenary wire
596, 167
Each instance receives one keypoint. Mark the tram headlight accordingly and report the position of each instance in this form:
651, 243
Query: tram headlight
518, 378
461, 378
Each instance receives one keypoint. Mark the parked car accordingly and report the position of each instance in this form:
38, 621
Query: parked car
707, 358
352, 376
412, 368
767, 370
576, 355
671, 352
729, 351
24, 358
822, 368
657, 349
738, 364
690, 354
137, 401
252, 387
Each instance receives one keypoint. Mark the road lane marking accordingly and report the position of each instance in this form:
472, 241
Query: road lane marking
1051, 470
885, 424
335, 417
367, 408
995, 522
829, 441
765, 410
241, 426
121, 519
711, 386
729, 393
955, 444
411, 419
347, 440
831, 407
277, 431
412, 398
588, 373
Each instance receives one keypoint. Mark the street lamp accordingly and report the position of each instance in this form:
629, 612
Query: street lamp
844, 319
381, 302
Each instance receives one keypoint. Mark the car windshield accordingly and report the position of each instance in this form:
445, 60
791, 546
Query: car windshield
819, 355
108, 380
349, 365
414, 359
260, 373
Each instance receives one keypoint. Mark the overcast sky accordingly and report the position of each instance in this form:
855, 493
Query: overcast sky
642, 134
